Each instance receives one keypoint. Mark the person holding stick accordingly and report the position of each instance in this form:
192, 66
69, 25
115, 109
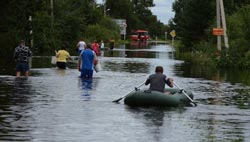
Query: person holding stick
158, 80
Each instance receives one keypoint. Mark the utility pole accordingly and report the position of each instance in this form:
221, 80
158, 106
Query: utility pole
218, 24
166, 36
31, 31
104, 7
220, 14
31, 39
52, 12
224, 25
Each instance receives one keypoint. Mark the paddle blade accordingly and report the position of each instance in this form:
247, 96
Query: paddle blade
195, 104
116, 101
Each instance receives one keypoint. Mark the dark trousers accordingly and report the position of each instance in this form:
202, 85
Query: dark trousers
61, 65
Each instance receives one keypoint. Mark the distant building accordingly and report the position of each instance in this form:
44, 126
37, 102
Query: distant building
123, 25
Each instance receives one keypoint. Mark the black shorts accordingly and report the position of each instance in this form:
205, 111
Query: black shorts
22, 66
61, 65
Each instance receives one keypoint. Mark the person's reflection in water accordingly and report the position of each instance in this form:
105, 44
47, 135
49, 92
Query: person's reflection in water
60, 72
22, 86
153, 120
86, 86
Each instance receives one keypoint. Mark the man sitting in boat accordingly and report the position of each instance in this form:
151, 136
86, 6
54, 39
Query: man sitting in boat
157, 81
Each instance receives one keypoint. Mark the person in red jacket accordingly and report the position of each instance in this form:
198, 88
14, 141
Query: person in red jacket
95, 47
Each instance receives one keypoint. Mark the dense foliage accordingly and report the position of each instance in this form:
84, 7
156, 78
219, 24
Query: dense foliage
238, 54
69, 20
63, 22
194, 20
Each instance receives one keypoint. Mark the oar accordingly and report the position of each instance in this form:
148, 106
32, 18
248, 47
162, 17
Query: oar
183, 91
117, 100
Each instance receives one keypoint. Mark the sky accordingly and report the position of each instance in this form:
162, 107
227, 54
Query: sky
162, 9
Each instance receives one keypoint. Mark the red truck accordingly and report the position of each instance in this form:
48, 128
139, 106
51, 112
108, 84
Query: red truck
140, 35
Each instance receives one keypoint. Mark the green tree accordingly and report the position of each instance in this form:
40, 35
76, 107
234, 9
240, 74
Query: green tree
232, 6
239, 35
144, 14
71, 17
105, 30
192, 18
15, 24
122, 9
69, 20
137, 14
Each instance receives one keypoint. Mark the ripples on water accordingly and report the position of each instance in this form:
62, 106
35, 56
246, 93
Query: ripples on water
55, 105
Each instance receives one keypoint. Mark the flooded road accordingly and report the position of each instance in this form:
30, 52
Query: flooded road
56, 106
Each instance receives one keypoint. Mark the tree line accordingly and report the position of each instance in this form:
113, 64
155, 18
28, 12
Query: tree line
195, 19
49, 24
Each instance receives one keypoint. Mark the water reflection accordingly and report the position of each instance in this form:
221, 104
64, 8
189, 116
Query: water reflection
151, 51
222, 123
108, 53
86, 86
139, 44
242, 100
128, 66
211, 73
154, 119
60, 72
158, 122
14, 97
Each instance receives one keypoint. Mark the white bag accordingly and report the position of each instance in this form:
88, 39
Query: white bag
97, 67
53, 60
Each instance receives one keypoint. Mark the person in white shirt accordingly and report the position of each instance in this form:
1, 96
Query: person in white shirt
81, 45
102, 44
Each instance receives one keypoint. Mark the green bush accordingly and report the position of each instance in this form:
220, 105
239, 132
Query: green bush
238, 54
105, 30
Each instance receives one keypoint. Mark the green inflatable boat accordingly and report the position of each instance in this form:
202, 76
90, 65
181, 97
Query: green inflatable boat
155, 98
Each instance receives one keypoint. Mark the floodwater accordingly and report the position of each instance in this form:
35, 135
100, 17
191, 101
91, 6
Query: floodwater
56, 106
